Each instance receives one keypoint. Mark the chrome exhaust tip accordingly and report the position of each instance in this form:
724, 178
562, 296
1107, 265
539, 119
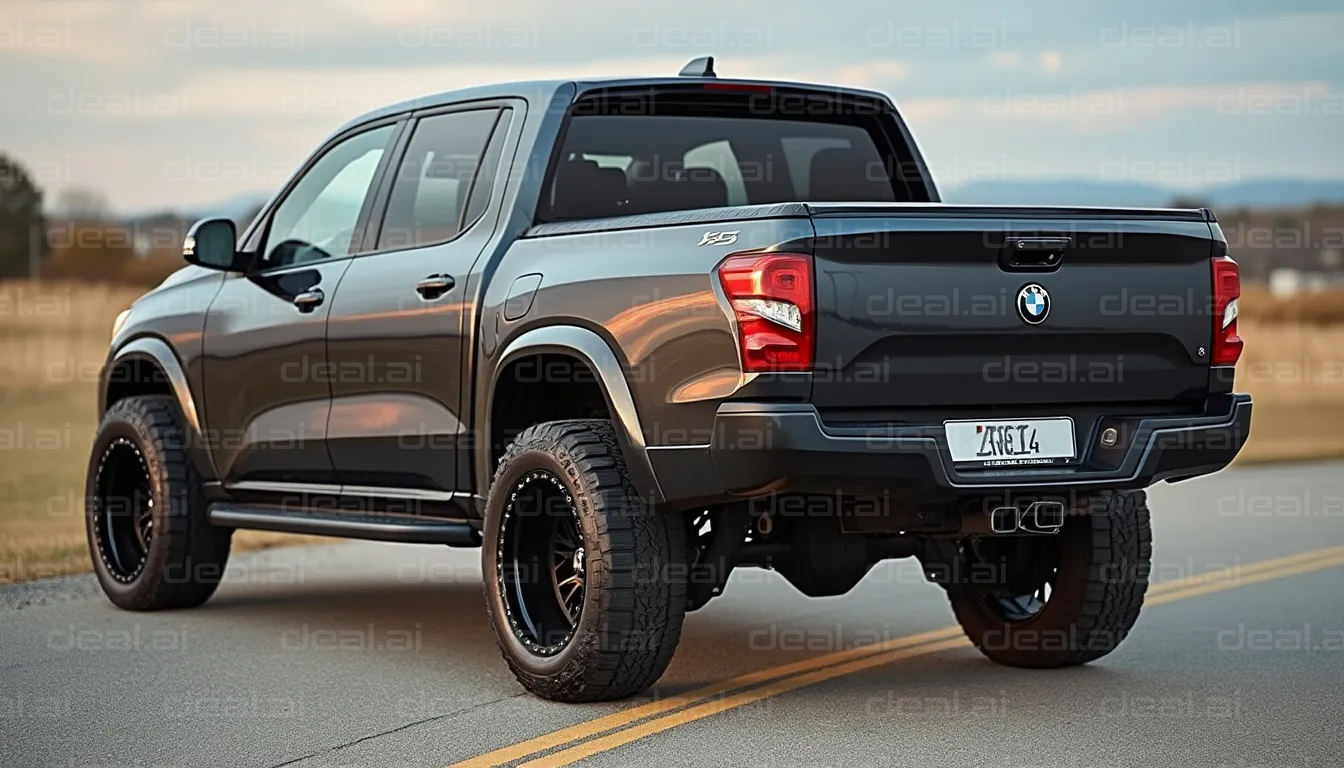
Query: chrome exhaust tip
1043, 517
1003, 520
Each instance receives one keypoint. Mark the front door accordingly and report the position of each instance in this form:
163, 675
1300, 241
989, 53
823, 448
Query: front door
398, 325
267, 382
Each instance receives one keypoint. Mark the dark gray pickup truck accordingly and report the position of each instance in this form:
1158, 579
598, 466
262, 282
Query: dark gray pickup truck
629, 335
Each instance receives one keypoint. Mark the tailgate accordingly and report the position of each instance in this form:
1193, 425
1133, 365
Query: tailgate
934, 305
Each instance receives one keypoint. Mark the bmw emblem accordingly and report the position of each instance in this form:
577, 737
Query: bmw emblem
1033, 304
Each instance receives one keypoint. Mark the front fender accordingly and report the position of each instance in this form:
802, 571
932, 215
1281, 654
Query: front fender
592, 349
156, 351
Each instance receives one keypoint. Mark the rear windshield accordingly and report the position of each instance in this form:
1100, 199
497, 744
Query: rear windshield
621, 164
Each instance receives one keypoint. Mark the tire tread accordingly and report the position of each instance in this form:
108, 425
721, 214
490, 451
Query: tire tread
641, 595
194, 546
1105, 606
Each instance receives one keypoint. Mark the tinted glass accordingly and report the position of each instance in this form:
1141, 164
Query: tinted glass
799, 153
433, 182
613, 165
718, 156
485, 178
317, 219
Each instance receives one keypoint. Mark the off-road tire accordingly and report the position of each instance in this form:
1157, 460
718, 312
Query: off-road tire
635, 588
186, 555
1105, 557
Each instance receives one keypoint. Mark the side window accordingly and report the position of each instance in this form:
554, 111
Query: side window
433, 182
718, 157
485, 178
317, 219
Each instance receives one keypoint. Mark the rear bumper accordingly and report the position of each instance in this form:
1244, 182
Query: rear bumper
761, 448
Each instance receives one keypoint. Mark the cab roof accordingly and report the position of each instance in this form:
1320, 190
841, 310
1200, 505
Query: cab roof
542, 92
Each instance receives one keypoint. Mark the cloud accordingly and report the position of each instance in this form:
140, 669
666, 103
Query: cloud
873, 74
927, 111
1116, 110
110, 92
336, 95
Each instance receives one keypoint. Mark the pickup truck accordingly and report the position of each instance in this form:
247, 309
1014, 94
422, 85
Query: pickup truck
628, 335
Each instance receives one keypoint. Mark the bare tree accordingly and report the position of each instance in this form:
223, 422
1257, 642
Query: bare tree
22, 244
1188, 201
83, 204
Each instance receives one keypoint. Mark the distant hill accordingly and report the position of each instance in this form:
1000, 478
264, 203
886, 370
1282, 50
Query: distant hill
1266, 193
238, 208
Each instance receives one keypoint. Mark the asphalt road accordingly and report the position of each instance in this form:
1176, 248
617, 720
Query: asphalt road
380, 655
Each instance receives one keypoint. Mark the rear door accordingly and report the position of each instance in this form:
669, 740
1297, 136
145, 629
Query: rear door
267, 382
399, 324
983, 308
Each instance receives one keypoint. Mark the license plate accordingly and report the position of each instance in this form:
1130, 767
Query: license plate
1010, 442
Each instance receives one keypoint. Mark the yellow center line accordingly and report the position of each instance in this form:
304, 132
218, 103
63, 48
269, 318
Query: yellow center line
626, 716
619, 738
1236, 572
1204, 583
714, 707
1284, 572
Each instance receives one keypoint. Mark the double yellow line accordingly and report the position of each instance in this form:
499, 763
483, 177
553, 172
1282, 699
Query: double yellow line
653, 717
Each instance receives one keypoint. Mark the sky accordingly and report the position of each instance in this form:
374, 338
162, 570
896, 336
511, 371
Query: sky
178, 103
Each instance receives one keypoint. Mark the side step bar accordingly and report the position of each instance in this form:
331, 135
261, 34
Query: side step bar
408, 530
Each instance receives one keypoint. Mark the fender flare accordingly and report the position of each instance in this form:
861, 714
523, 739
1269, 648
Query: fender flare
587, 346
157, 351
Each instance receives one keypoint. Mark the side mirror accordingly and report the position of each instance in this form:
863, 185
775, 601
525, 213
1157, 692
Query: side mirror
213, 243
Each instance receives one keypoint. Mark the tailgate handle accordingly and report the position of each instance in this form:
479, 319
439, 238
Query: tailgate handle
1033, 253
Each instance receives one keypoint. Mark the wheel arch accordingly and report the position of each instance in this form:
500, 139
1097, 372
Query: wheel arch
147, 365
587, 347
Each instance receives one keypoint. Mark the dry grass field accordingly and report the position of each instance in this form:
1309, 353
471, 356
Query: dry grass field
53, 338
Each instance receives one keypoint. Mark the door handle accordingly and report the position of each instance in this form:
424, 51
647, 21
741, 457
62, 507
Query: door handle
434, 286
310, 300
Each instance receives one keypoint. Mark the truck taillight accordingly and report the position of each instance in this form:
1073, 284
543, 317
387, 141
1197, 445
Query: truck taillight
1226, 291
771, 296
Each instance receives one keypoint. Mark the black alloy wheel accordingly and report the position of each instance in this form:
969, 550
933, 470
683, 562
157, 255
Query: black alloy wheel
1030, 566
124, 510
585, 583
150, 538
1021, 607
542, 563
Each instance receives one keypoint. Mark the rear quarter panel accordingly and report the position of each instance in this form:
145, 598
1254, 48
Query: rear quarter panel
653, 295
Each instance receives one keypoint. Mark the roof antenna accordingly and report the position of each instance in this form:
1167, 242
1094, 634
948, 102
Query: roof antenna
701, 67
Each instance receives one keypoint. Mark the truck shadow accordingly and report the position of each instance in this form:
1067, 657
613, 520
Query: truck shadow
439, 627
